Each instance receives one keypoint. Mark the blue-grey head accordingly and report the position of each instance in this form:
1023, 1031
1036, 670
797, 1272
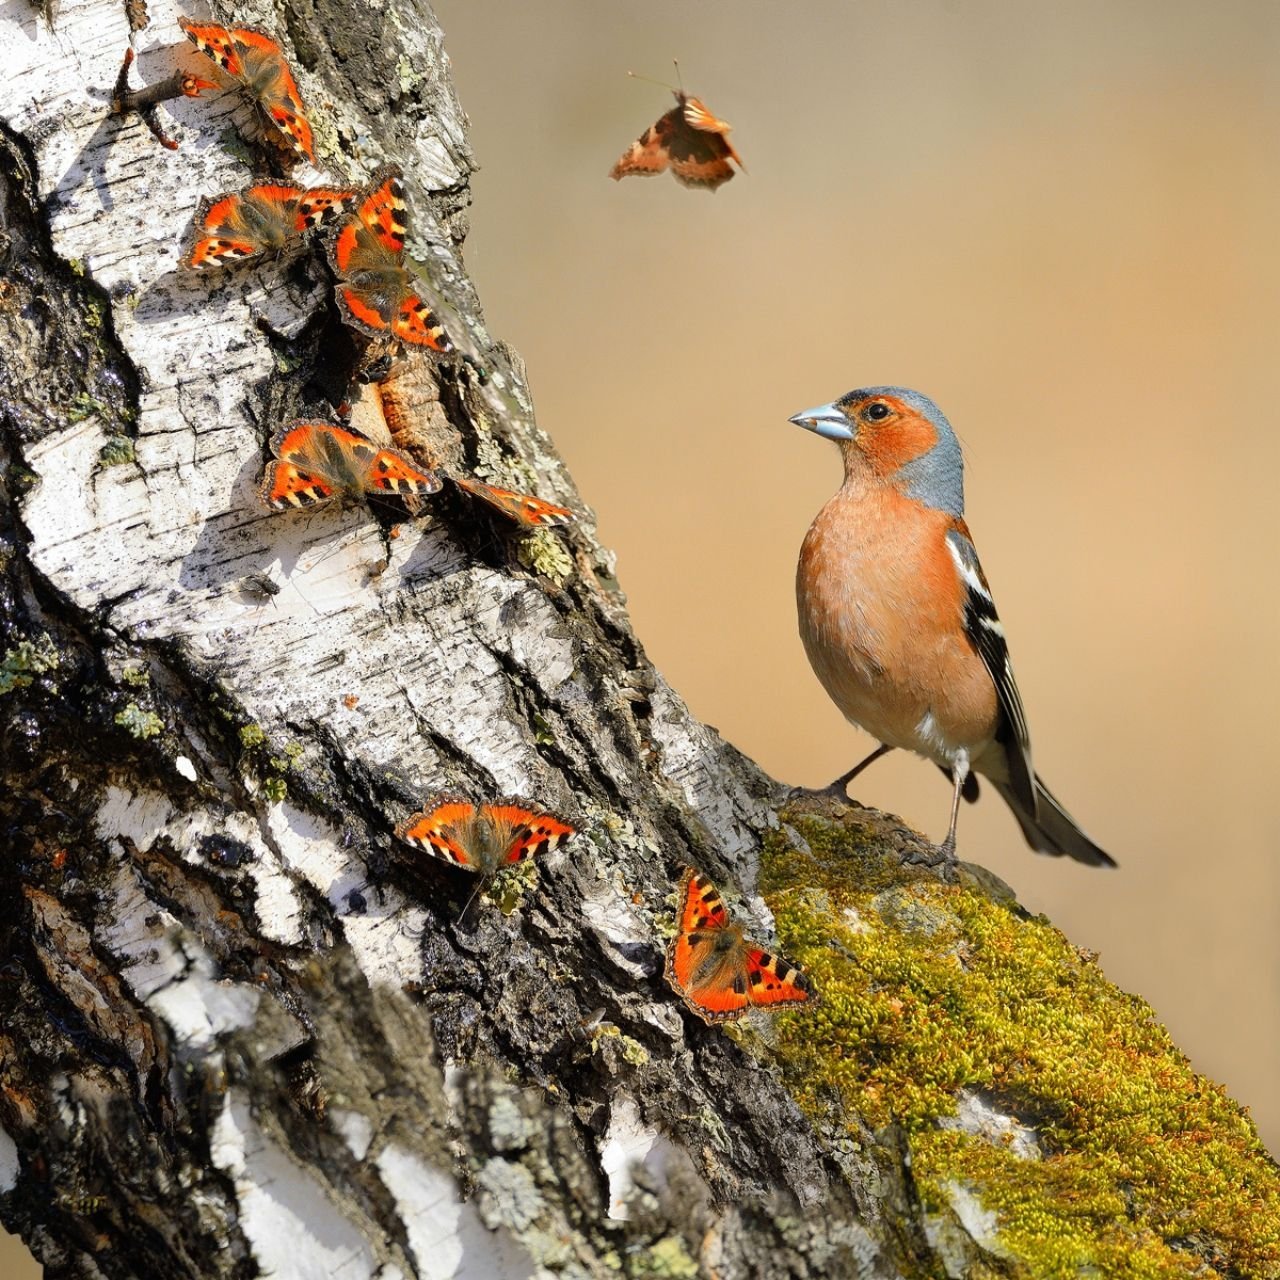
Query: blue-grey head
897, 434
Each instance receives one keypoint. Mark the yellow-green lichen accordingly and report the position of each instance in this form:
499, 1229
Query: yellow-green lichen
545, 554
140, 723
27, 659
927, 989
117, 451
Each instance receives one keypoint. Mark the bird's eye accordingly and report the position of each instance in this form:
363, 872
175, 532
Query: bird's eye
878, 412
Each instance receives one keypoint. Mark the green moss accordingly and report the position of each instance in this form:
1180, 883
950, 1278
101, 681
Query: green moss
930, 988
140, 723
27, 659
251, 736
135, 674
275, 789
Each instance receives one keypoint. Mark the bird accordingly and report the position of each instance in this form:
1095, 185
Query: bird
898, 621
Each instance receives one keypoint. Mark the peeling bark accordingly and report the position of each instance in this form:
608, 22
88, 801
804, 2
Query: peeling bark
240, 1031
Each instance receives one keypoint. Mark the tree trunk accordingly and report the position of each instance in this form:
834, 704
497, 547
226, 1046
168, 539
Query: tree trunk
242, 1029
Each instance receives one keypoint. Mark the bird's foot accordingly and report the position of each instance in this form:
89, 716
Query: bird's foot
833, 791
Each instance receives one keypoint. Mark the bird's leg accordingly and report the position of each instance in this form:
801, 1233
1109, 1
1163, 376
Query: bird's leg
960, 771
841, 784
836, 790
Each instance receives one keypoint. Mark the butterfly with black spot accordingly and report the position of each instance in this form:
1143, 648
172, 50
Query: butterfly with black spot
243, 226
255, 63
715, 970
316, 461
482, 838
378, 295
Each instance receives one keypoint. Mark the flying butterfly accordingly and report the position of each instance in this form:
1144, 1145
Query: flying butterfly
715, 970
482, 838
689, 139
253, 61
240, 226
316, 461
377, 294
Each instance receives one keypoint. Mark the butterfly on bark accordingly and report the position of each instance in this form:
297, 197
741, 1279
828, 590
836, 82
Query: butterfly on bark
715, 970
315, 461
377, 293
482, 838
690, 140
254, 62
523, 508
245, 225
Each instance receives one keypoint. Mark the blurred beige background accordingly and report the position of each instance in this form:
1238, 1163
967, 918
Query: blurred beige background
1061, 222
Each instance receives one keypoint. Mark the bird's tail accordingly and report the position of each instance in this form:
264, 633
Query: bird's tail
1053, 830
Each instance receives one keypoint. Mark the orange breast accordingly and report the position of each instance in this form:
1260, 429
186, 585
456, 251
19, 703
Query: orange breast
881, 616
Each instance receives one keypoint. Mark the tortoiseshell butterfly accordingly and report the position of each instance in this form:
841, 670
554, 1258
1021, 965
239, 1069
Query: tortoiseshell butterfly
256, 63
239, 226
317, 461
375, 291
689, 139
482, 838
715, 970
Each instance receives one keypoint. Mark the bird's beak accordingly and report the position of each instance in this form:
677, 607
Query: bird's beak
826, 421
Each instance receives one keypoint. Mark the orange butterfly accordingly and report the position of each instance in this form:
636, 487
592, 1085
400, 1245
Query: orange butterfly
482, 838
715, 970
237, 226
317, 461
690, 139
523, 508
375, 291
256, 63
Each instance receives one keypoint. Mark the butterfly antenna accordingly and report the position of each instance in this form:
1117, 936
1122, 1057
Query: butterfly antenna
635, 75
480, 884
679, 80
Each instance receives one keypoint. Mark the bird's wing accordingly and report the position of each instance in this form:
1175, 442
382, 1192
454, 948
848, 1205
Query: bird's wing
982, 625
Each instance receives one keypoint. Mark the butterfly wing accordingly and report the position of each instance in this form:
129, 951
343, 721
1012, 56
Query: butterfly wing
696, 116
771, 980
530, 832
320, 205
383, 210
523, 508
699, 157
416, 323
649, 154
436, 831
214, 42
391, 472
285, 484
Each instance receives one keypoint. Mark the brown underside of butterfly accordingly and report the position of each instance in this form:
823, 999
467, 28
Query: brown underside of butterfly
482, 838
523, 508
316, 461
715, 970
689, 140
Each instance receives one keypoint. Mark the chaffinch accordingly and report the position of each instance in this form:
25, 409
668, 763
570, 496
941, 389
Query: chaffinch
897, 618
